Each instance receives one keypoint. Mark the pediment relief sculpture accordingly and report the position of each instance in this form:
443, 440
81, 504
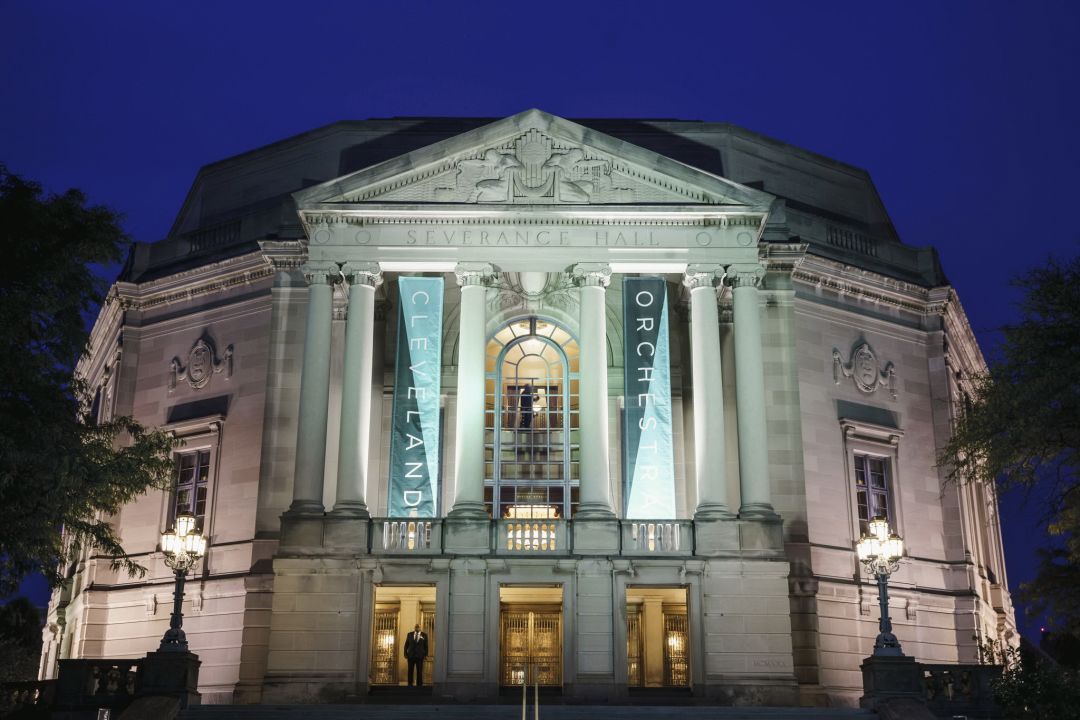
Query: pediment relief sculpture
534, 168
864, 370
202, 364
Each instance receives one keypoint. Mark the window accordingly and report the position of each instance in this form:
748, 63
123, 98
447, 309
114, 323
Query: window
192, 476
872, 488
531, 435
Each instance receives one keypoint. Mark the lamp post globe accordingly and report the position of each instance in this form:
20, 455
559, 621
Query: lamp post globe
182, 546
880, 551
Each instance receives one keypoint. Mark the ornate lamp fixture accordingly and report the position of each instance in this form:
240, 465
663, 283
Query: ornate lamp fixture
880, 552
183, 546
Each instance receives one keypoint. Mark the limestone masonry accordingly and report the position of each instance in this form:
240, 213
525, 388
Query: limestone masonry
394, 353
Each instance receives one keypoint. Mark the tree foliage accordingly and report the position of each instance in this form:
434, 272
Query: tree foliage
20, 640
1022, 428
59, 469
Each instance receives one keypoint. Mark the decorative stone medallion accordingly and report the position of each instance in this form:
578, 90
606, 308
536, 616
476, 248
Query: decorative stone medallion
862, 367
202, 364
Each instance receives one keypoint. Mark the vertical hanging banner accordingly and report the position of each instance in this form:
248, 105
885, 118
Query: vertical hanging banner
414, 442
648, 461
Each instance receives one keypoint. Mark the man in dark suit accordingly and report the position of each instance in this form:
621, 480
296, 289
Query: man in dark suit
526, 405
415, 652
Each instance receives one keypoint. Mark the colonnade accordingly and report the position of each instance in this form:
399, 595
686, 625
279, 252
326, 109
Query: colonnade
592, 280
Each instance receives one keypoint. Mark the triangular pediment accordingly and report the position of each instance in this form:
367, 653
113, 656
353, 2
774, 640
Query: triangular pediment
533, 158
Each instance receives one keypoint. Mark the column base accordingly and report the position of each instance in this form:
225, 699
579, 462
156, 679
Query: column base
594, 511
305, 507
713, 511
351, 508
758, 511
468, 509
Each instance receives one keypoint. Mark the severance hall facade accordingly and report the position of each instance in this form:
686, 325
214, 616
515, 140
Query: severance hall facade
603, 403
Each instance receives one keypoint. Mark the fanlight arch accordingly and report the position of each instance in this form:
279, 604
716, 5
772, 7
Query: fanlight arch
531, 430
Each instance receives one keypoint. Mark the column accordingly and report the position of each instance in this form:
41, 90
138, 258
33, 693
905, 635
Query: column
592, 279
709, 460
472, 342
356, 389
314, 392
750, 392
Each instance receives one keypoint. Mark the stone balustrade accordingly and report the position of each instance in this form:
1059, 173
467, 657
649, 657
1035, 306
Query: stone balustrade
664, 538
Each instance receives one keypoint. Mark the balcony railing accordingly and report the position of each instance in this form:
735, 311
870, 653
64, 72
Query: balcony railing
406, 536
658, 537
545, 536
532, 536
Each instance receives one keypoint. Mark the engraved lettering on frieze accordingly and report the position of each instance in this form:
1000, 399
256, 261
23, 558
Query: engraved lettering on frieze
863, 368
202, 364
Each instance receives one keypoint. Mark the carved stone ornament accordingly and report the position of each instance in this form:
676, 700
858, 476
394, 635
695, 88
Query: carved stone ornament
862, 367
202, 364
535, 168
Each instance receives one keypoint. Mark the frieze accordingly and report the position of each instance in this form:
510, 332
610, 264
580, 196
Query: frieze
202, 364
862, 367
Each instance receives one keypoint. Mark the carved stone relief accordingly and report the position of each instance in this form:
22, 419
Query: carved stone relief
202, 364
863, 368
534, 168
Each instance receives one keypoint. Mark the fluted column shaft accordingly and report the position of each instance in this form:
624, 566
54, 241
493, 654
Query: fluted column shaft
314, 392
705, 358
472, 341
595, 498
750, 392
353, 449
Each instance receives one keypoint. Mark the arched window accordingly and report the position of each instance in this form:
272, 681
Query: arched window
531, 427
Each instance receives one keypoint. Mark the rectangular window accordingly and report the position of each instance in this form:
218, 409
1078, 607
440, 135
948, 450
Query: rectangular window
192, 475
872, 489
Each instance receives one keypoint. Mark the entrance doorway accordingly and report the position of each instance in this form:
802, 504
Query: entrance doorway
399, 609
657, 637
530, 635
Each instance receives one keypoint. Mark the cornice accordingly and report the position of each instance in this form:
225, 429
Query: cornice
190, 284
852, 281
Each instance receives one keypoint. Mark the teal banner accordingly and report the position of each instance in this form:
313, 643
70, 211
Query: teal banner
648, 461
414, 442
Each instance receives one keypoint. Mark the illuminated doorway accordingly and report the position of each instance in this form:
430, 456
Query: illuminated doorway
530, 635
398, 609
657, 637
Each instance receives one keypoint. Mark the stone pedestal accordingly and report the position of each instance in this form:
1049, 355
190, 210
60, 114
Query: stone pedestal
596, 537
890, 678
467, 535
172, 674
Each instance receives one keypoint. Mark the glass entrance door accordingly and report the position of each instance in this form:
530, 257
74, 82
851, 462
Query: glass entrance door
530, 642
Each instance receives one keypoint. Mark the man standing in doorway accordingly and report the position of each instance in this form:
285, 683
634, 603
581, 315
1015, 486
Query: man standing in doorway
526, 406
415, 652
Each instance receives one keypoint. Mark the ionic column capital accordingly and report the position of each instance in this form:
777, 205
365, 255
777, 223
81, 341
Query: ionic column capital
363, 273
745, 275
473, 273
320, 273
699, 276
591, 274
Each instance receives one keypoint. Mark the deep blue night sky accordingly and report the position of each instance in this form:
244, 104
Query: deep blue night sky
965, 113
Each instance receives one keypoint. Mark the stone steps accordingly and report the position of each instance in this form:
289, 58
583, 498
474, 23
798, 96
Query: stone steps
512, 711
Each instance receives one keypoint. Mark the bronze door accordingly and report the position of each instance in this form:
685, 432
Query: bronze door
530, 644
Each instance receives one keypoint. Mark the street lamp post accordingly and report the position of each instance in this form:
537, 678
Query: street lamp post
880, 552
183, 546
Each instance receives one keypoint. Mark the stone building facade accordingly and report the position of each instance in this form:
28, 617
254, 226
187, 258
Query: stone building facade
810, 366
